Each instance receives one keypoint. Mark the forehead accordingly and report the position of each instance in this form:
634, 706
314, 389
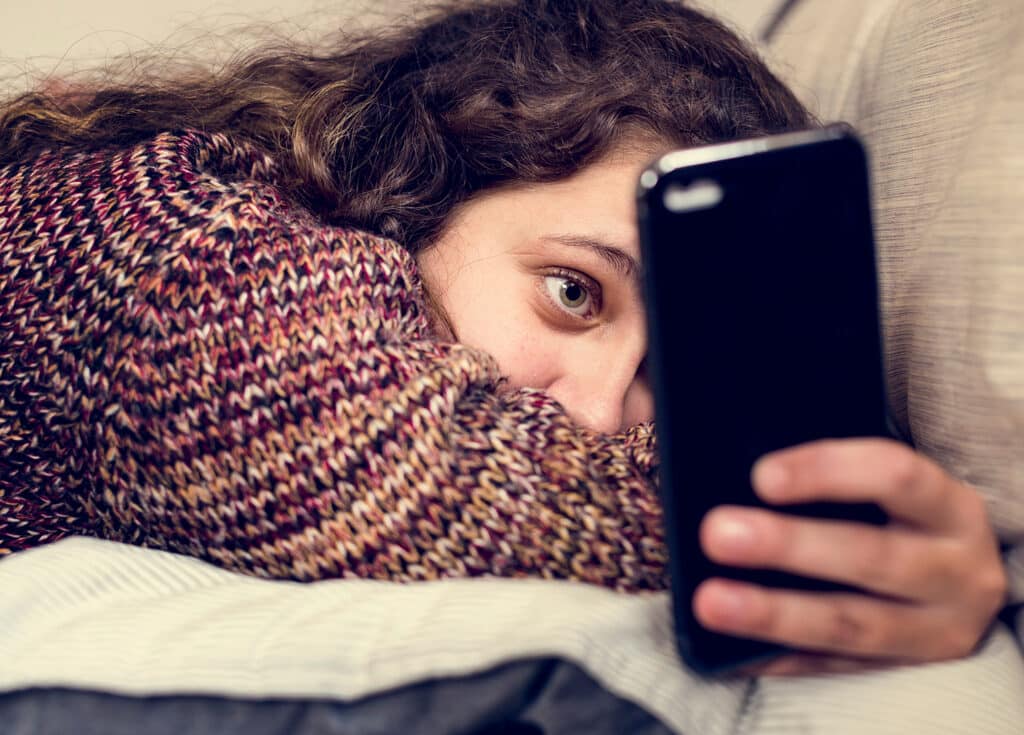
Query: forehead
599, 198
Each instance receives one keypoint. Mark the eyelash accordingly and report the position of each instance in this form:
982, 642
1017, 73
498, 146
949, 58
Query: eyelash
588, 284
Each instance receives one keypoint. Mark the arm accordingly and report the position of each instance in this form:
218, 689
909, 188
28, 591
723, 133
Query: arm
280, 409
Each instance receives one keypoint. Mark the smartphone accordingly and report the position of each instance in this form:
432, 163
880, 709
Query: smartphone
763, 319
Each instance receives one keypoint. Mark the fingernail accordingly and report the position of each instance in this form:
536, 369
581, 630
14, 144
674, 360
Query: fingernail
770, 477
734, 535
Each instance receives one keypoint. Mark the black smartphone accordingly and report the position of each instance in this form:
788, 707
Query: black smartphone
764, 333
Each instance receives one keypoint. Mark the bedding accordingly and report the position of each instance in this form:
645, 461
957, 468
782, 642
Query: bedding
89, 615
522, 698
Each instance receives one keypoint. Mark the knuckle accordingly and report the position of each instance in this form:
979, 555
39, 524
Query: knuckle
884, 558
783, 541
993, 585
769, 618
973, 509
902, 468
974, 582
846, 630
950, 566
958, 641
874, 561
779, 617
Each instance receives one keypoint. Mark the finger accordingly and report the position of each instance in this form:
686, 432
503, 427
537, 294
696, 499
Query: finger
833, 623
895, 562
908, 486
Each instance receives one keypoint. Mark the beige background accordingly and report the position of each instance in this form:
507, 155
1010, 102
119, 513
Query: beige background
43, 37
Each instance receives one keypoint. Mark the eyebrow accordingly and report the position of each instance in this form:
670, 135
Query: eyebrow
613, 255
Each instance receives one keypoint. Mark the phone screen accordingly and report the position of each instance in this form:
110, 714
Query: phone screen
764, 328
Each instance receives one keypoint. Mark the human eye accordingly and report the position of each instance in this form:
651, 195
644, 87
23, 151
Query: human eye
573, 293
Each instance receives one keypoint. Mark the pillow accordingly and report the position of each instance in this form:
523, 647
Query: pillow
936, 88
88, 615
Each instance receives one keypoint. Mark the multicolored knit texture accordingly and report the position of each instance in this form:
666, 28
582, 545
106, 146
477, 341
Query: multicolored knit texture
190, 362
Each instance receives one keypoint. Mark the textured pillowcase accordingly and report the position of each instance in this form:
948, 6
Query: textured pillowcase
936, 87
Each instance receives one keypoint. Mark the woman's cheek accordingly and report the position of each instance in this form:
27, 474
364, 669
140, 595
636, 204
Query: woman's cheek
528, 354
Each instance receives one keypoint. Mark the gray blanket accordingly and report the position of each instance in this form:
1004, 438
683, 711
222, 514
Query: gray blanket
545, 696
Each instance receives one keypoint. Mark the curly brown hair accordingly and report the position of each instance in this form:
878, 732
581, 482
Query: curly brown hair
396, 129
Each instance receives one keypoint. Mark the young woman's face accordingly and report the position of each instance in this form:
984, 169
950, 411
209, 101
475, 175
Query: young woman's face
546, 279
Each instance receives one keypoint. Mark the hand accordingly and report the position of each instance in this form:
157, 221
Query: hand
932, 578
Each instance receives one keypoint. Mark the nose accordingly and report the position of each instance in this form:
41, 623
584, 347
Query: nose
607, 396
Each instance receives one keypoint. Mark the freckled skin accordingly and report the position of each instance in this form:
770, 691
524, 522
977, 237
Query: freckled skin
499, 278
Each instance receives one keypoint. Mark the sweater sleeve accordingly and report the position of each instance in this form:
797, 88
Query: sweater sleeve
278, 407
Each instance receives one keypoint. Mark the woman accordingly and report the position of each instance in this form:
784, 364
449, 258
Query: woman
375, 314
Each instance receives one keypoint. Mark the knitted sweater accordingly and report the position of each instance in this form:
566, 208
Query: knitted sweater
189, 361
